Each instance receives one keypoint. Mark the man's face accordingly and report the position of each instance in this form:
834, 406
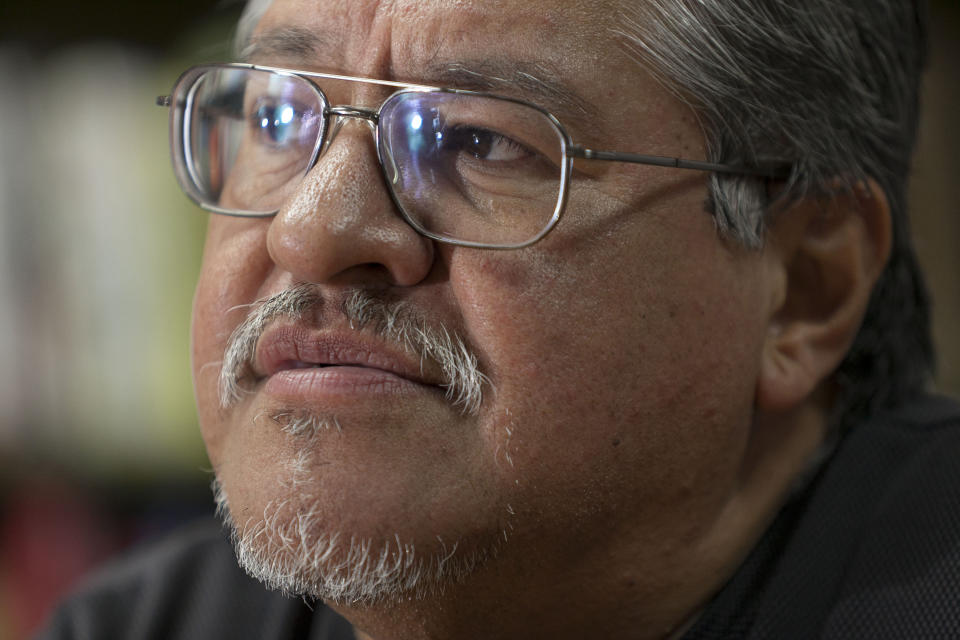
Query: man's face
619, 353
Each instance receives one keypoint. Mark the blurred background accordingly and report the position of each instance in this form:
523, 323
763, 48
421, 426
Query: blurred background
99, 447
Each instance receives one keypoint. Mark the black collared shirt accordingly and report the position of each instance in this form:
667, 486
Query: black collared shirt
869, 549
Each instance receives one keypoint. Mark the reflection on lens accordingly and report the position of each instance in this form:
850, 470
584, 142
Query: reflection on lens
248, 137
472, 168
276, 122
461, 166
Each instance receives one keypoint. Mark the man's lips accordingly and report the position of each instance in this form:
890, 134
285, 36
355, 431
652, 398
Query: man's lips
296, 359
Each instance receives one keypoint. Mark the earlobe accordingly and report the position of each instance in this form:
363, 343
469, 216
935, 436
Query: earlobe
826, 252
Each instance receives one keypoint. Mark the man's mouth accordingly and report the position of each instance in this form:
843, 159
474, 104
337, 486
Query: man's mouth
370, 344
297, 364
294, 360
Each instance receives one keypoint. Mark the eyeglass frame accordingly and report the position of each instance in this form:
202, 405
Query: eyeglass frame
569, 152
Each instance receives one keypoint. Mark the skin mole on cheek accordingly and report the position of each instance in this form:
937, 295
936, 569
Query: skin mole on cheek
505, 272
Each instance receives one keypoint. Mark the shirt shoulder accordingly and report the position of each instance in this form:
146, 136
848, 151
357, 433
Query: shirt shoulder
871, 549
901, 577
187, 585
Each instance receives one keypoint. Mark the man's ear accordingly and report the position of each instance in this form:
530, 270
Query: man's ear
826, 253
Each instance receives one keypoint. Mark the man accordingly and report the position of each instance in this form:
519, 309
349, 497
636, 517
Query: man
689, 406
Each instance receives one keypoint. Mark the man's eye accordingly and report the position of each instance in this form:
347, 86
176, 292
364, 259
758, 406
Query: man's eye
483, 144
279, 123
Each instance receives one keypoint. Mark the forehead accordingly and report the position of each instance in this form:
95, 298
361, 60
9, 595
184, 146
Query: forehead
469, 19
566, 55
410, 38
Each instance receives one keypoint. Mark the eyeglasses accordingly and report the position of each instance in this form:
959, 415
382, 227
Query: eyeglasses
463, 167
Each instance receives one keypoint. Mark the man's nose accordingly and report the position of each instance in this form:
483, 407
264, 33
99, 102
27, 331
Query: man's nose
341, 227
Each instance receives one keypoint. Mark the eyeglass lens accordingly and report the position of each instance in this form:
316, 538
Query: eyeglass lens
460, 166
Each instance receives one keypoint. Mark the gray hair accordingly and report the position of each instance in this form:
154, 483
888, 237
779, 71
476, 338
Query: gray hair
832, 87
247, 23
288, 550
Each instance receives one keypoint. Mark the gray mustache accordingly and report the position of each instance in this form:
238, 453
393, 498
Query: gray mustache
395, 322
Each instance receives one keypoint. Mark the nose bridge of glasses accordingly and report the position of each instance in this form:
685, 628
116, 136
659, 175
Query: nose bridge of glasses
342, 113
349, 111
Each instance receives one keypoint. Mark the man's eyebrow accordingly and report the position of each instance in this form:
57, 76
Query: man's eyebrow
284, 42
533, 82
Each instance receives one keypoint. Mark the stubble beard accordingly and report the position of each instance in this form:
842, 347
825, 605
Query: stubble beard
291, 548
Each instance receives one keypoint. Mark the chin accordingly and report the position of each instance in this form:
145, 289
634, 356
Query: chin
308, 519
294, 547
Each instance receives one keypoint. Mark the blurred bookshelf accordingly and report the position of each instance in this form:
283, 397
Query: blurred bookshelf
99, 251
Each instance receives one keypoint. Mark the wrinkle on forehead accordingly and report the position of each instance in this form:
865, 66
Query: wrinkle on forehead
534, 80
440, 48
559, 54
582, 25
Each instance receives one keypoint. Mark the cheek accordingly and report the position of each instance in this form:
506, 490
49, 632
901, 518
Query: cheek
608, 363
235, 270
